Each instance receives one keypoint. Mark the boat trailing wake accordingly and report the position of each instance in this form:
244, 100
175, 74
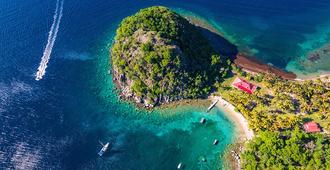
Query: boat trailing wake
51, 40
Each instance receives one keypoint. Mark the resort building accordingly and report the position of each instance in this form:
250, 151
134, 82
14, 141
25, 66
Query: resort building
244, 85
312, 127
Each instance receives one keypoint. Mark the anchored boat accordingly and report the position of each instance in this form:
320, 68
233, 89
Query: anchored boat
180, 166
104, 149
202, 121
216, 141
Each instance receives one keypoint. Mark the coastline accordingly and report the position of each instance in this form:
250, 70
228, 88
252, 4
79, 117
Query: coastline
199, 21
242, 132
254, 65
247, 62
323, 77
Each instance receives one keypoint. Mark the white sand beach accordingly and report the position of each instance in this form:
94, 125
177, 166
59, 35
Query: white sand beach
244, 133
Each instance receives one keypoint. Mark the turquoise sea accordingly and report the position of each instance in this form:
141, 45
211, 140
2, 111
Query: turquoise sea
58, 121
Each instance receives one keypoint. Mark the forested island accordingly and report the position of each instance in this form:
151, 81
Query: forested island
158, 57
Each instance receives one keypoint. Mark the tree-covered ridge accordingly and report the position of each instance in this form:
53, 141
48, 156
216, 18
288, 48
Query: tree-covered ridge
287, 150
158, 57
157, 19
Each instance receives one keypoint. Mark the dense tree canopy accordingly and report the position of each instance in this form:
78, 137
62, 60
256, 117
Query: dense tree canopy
287, 150
158, 56
280, 104
276, 112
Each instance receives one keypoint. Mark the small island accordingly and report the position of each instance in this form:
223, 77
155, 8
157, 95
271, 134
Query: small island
159, 57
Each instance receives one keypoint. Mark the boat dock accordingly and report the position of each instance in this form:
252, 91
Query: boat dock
212, 105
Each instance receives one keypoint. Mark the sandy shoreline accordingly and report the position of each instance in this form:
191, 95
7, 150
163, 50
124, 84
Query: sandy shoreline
250, 63
242, 126
243, 133
323, 77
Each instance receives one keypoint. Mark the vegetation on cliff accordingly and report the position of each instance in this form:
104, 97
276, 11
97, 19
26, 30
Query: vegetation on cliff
158, 57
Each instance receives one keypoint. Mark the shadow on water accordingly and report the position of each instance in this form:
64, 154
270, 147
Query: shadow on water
219, 43
112, 152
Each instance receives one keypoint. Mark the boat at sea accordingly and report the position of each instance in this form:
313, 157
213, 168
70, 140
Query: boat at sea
216, 141
202, 121
180, 166
104, 149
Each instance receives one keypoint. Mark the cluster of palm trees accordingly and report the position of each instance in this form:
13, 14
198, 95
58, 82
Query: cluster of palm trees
276, 112
285, 107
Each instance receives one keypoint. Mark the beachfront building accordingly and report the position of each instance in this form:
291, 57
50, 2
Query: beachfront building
311, 127
244, 85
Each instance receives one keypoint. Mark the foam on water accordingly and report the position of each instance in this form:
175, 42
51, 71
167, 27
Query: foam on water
51, 40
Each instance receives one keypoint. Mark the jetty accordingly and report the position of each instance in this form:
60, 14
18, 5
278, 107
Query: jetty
212, 105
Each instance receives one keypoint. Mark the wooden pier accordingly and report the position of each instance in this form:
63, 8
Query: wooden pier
212, 105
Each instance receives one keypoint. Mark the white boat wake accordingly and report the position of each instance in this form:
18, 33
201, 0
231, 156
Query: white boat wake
51, 40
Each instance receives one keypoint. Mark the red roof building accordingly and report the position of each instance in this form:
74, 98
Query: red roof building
244, 85
312, 127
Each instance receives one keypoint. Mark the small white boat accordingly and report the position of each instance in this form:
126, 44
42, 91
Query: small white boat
203, 120
180, 166
104, 149
215, 142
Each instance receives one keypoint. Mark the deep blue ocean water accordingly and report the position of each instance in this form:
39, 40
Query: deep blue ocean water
57, 122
